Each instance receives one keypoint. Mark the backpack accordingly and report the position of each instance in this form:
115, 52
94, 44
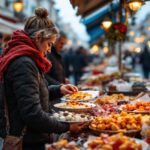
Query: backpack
3, 128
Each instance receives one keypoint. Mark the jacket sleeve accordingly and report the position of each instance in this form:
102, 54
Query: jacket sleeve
26, 89
54, 91
50, 80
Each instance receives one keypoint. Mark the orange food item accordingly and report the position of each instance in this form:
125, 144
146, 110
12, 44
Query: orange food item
139, 106
76, 104
111, 99
118, 122
62, 144
114, 142
79, 96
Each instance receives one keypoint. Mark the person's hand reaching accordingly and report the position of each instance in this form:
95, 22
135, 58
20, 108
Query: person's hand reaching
68, 89
76, 127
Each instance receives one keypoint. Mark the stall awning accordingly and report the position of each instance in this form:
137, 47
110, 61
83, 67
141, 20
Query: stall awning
92, 12
86, 7
93, 21
8, 27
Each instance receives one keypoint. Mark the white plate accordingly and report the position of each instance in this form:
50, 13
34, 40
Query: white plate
62, 106
93, 93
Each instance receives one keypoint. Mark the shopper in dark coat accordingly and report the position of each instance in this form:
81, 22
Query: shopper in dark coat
22, 68
145, 61
66, 56
79, 61
57, 73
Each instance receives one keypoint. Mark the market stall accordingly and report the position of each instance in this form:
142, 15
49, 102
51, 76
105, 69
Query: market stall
109, 122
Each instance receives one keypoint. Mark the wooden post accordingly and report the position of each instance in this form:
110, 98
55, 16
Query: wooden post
120, 56
120, 42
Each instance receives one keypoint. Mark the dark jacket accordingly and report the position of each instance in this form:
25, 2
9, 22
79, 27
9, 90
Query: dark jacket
78, 62
27, 96
67, 62
145, 59
57, 73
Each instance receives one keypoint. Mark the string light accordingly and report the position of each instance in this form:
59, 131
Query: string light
18, 5
106, 24
95, 49
135, 4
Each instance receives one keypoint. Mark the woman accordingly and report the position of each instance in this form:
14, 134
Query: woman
22, 67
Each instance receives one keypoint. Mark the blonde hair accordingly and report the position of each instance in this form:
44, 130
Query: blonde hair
41, 23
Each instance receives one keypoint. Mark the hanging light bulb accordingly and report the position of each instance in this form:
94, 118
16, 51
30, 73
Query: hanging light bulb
135, 4
18, 5
106, 23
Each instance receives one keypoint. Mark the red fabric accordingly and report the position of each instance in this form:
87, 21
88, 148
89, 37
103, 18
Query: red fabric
22, 45
147, 140
96, 72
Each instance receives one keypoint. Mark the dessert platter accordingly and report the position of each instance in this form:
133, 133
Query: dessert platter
75, 106
138, 107
62, 145
113, 99
101, 78
102, 142
129, 124
115, 142
104, 110
71, 117
81, 96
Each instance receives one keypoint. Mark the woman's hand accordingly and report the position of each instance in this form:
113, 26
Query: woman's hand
76, 127
68, 89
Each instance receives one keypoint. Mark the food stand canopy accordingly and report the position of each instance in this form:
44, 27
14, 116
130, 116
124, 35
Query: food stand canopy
93, 12
86, 7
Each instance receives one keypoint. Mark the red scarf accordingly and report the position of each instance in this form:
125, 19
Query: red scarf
22, 45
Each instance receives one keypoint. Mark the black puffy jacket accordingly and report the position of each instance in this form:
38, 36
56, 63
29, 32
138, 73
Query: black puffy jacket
27, 96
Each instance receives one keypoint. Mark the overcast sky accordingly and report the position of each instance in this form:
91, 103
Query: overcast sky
68, 14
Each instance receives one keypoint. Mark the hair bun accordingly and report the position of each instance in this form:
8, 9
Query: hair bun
41, 12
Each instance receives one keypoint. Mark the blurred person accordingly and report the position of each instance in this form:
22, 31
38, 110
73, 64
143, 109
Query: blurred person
57, 73
66, 59
134, 60
22, 68
130, 59
79, 62
145, 61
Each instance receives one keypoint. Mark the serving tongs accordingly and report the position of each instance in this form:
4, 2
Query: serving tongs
138, 96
